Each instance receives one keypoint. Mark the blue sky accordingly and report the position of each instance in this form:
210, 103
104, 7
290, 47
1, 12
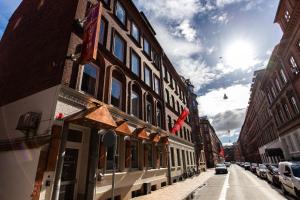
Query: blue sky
218, 44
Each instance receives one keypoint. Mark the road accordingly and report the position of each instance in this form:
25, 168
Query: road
238, 184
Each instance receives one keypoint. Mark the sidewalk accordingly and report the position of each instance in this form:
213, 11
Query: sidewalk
179, 190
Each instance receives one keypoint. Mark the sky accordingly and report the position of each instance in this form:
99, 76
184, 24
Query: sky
217, 44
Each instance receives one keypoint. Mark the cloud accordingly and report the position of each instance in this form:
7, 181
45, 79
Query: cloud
212, 103
184, 29
220, 18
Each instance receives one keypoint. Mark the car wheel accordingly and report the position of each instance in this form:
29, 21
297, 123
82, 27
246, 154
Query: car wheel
283, 190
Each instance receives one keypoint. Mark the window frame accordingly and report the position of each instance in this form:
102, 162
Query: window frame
138, 41
97, 80
156, 78
124, 24
115, 33
149, 47
146, 67
105, 32
121, 94
132, 52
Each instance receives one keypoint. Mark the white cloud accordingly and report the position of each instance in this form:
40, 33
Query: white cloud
220, 18
184, 29
212, 103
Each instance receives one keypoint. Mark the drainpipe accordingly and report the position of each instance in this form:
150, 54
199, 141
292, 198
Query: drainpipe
60, 161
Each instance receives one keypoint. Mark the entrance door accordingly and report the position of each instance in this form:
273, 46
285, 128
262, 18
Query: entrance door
68, 179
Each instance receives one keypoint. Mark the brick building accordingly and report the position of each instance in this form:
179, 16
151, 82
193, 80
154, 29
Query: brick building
212, 144
55, 109
279, 136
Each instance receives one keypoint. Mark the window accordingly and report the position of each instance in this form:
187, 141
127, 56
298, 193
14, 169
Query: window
147, 75
178, 157
156, 58
283, 77
287, 16
116, 93
135, 104
89, 79
167, 97
134, 154
294, 68
287, 111
163, 71
120, 13
178, 107
187, 157
173, 102
149, 110
109, 156
156, 85
158, 116
135, 63
119, 47
172, 157
171, 81
269, 97
294, 105
278, 84
169, 122
135, 32
148, 155
147, 48
103, 32
273, 91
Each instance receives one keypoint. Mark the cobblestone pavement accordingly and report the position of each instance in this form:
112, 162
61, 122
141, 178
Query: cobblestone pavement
179, 190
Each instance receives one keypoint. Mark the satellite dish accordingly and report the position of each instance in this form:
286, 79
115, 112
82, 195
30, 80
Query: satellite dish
225, 97
109, 138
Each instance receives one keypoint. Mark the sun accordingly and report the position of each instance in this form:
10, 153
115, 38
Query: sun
239, 55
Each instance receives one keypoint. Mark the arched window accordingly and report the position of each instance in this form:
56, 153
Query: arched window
149, 109
158, 115
117, 90
136, 101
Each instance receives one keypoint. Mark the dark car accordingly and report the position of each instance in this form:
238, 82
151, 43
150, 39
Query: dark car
221, 169
253, 167
247, 166
273, 175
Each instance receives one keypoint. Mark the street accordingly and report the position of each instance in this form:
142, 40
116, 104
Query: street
238, 184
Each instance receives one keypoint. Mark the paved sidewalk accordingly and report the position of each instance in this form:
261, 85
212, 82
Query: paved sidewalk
179, 190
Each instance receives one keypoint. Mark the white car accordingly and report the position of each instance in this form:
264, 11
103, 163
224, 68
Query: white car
261, 171
289, 177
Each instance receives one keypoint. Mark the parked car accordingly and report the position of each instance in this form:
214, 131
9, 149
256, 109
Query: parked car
273, 175
221, 169
247, 166
289, 177
253, 167
227, 164
261, 171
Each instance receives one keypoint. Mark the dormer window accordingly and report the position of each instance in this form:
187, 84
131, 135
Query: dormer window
287, 16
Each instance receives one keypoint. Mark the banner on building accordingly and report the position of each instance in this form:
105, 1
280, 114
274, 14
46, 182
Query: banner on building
180, 120
90, 34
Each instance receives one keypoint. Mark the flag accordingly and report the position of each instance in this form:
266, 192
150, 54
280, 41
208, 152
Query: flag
180, 120
222, 152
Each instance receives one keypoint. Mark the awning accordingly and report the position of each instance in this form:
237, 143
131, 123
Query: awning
96, 117
274, 152
141, 133
123, 128
155, 137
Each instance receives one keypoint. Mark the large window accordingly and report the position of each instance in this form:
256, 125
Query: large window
158, 116
147, 48
294, 105
135, 32
89, 79
169, 122
134, 154
172, 157
178, 157
156, 58
103, 32
119, 47
135, 104
147, 75
156, 85
283, 77
148, 157
149, 111
109, 157
120, 13
135, 63
116, 93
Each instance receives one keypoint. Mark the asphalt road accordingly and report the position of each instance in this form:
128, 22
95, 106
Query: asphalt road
238, 184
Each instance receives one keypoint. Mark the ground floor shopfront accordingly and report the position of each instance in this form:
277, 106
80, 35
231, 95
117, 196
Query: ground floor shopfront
286, 147
66, 157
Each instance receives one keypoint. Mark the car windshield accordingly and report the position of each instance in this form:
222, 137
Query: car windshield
220, 165
296, 170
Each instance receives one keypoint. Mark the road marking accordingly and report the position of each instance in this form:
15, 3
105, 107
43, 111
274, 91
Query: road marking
225, 188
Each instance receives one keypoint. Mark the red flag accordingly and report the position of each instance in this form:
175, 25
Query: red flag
90, 35
222, 152
180, 120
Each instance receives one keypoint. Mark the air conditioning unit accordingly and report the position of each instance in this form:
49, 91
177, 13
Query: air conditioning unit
29, 121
